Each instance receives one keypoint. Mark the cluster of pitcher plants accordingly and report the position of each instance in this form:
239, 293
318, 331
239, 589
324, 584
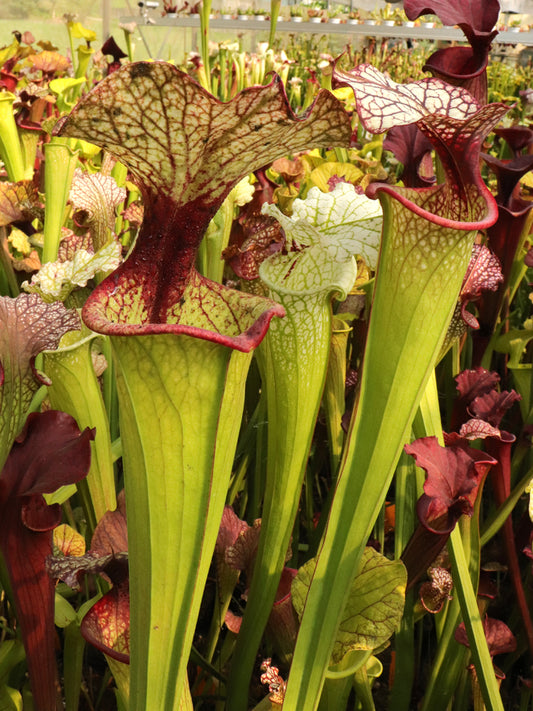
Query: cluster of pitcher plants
265, 382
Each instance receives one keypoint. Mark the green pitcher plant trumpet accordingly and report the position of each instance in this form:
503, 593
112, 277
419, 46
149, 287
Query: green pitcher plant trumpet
61, 162
322, 236
75, 389
183, 343
10, 147
426, 245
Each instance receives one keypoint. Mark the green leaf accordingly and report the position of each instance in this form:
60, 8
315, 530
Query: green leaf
61, 495
61, 161
10, 699
349, 664
10, 148
64, 613
179, 423
374, 607
76, 389
11, 654
514, 342
179, 429
80, 32
321, 175
63, 87
9, 51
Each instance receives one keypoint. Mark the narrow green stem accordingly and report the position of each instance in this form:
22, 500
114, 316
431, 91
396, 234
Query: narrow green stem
495, 522
333, 400
205, 11
10, 286
404, 640
73, 650
275, 6
473, 623
335, 694
363, 690
209, 260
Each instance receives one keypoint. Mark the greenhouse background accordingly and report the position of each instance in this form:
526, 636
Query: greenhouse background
46, 17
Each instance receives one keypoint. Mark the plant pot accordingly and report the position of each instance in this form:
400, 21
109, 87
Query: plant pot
227, 17
297, 19
316, 20
427, 25
195, 15
353, 21
408, 23
370, 22
171, 15
243, 18
388, 23
260, 18
335, 20
513, 29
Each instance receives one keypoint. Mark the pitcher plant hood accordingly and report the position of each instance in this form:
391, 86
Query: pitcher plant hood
455, 124
187, 150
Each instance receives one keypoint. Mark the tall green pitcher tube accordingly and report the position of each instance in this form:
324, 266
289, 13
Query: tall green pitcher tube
181, 402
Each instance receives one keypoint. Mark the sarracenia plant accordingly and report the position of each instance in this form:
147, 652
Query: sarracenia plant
182, 342
322, 237
39, 453
426, 245
462, 65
